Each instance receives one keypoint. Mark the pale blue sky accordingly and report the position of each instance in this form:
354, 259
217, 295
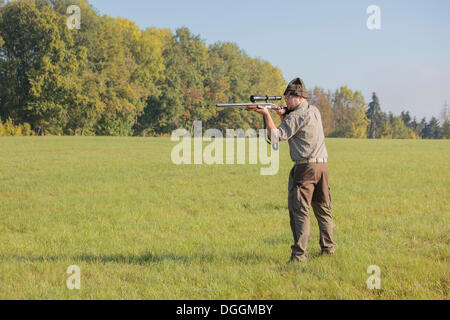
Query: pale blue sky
326, 43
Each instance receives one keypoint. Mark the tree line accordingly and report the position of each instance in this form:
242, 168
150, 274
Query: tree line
111, 78
346, 114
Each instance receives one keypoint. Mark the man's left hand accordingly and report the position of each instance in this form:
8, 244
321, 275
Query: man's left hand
262, 110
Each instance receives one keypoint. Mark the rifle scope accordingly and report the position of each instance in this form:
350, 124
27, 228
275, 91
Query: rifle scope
255, 99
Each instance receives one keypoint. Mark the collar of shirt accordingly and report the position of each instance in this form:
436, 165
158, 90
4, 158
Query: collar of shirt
304, 104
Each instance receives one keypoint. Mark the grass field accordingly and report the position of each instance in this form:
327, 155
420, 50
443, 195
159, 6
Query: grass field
140, 227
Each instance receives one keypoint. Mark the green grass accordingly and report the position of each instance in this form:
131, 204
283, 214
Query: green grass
140, 227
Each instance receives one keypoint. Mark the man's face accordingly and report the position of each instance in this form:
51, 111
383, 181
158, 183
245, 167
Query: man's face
292, 101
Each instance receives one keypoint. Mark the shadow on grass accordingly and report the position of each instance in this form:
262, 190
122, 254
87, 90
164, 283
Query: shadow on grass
144, 259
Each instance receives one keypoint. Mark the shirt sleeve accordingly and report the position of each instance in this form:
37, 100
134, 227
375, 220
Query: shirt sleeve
289, 127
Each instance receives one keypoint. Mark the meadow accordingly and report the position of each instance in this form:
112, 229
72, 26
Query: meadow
141, 227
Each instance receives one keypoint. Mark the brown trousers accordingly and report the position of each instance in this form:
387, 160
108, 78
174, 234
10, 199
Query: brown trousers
308, 185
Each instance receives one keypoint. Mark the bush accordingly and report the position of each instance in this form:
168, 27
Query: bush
9, 129
2, 130
26, 129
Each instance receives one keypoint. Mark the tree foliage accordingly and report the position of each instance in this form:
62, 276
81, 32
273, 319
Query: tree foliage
38, 61
374, 114
319, 98
349, 113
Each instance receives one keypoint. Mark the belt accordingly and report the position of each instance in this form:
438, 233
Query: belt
312, 160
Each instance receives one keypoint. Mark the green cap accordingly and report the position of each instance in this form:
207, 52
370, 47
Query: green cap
297, 87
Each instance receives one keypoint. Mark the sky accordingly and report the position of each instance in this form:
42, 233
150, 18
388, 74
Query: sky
326, 43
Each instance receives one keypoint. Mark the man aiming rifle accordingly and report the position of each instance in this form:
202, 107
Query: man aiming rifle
308, 180
254, 105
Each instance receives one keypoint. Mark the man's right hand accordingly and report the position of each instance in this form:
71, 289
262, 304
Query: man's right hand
281, 112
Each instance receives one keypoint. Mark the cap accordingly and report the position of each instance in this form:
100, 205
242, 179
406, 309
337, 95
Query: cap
297, 87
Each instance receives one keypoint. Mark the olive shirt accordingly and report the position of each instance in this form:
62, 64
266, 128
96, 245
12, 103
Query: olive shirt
303, 129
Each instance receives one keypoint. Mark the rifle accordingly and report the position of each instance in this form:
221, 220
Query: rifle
255, 102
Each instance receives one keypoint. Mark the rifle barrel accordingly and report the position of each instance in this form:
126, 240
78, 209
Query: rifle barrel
247, 105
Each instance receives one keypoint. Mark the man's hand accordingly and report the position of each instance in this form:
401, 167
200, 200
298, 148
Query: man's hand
281, 112
269, 122
262, 110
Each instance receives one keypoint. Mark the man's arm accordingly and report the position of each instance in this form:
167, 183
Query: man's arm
269, 121
288, 127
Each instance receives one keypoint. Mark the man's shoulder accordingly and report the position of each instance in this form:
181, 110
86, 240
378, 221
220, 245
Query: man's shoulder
313, 108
